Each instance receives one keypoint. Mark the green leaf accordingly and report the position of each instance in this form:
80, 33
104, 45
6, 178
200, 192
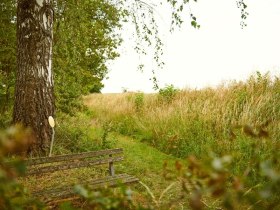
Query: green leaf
81, 191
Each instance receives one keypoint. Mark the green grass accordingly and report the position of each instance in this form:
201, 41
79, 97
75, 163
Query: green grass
146, 163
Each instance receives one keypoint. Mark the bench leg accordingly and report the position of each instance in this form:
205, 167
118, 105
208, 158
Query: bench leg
111, 168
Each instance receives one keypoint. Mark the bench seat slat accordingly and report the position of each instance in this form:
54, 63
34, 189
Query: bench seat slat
65, 192
59, 158
72, 165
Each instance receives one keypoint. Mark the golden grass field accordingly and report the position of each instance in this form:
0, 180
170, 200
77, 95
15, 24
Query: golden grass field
237, 121
251, 104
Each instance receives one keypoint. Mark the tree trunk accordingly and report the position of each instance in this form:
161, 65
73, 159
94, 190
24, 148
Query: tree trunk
34, 93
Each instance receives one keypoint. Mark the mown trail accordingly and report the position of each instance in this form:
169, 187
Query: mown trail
146, 163
143, 159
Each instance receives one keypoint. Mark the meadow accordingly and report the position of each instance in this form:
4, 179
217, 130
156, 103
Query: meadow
213, 148
185, 122
232, 128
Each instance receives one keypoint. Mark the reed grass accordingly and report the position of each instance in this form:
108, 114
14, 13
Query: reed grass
227, 119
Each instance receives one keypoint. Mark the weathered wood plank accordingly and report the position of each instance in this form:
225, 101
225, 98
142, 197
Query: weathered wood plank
65, 192
72, 165
59, 158
87, 182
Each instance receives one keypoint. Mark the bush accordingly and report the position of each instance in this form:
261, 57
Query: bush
168, 93
13, 141
139, 101
75, 134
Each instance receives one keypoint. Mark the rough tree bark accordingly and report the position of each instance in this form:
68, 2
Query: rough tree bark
34, 93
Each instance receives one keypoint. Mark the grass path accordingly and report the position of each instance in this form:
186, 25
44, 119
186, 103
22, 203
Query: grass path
142, 157
146, 163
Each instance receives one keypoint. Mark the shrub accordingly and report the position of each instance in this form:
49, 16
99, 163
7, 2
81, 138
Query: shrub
75, 134
13, 141
139, 101
168, 93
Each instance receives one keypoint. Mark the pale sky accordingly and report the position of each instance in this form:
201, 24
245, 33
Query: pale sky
219, 51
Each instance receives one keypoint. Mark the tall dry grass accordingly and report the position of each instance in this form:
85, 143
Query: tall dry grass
238, 121
196, 121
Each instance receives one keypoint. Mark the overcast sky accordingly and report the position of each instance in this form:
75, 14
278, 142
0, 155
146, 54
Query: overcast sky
218, 52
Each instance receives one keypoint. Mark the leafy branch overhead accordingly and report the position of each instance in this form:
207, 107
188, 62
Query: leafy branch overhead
178, 9
144, 16
242, 6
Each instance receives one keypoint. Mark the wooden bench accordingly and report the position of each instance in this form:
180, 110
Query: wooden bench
46, 165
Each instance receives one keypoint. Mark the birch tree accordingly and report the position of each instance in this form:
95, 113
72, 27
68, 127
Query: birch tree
34, 90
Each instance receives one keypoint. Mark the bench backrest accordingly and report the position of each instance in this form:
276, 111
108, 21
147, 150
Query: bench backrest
64, 162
